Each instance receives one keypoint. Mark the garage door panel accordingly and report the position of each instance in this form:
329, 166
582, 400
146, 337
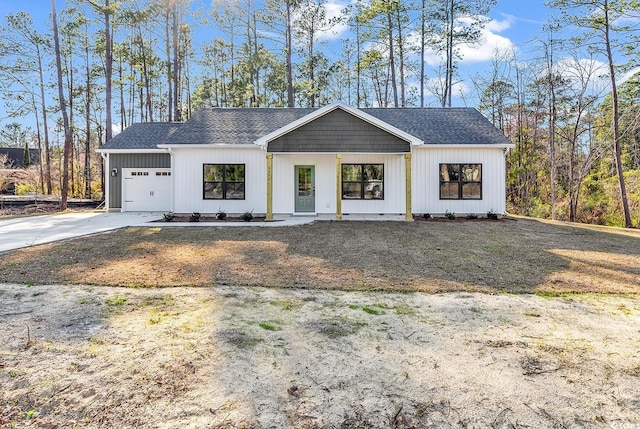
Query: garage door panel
147, 189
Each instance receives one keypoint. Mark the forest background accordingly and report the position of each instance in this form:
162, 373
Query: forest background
568, 97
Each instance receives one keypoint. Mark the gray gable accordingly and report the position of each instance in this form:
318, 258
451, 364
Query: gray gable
145, 135
434, 126
339, 131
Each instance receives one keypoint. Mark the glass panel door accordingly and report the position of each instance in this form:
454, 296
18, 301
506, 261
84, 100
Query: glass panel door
305, 198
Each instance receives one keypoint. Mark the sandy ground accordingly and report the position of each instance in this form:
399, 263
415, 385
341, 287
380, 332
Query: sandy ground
77, 356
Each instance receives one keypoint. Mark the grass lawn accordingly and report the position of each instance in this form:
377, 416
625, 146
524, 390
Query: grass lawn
513, 256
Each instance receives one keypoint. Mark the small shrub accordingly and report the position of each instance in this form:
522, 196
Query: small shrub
472, 216
427, 215
221, 215
450, 215
168, 217
247, 216
492, 215
195, 217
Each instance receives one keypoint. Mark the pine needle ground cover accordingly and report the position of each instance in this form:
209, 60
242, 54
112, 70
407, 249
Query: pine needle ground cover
509, 256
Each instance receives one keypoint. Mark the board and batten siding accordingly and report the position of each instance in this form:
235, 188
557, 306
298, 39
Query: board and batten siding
188, 176
325, 183
426, 180
133, 160
337, 132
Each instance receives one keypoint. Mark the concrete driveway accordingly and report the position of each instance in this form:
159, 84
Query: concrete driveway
30, 231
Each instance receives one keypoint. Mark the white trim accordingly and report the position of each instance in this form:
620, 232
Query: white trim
337, 152
131, 151
207, 146
107, 177
263, 141
469, 146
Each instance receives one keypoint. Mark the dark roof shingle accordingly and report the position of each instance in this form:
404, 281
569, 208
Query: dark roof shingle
434, 126
145, 135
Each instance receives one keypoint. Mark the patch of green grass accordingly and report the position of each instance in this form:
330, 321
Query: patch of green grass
269, 326
354, 307
336, 327
372, 310
38, 293
116, 301
404, 309
157, 300
30, 413
287, 305
238, 338
555, 294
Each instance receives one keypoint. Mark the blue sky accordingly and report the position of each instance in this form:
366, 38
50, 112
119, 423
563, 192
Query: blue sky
528, 15
513, 24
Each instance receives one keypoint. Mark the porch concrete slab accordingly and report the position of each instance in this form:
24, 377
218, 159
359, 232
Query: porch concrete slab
365, 217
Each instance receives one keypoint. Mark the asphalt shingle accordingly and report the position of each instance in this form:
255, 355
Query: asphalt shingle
145, 135
434, 126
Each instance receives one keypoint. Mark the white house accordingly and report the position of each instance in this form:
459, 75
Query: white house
333, 160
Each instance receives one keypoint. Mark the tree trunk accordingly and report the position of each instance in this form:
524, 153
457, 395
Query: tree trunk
87, 145
108, 71
392, 65
616, 121
403, 102
64, 188
289, 47
167, 17
422, 46
45, 126
177, 112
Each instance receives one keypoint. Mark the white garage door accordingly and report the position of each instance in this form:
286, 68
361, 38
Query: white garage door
146, 189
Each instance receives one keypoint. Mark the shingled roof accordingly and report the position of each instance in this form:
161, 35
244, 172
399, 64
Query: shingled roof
434, 126
145, 135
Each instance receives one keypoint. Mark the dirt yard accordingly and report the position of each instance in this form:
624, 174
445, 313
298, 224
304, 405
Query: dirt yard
250, 357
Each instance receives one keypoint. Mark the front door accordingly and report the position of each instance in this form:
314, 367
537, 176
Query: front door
305, 189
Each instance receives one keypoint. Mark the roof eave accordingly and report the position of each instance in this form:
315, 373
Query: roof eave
208, 145
469, 146
130, 150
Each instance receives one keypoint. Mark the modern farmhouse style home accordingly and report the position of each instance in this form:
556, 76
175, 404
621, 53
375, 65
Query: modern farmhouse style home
334, 160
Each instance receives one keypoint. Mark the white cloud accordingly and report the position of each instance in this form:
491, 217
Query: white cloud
490, 43
585, 71
628, 75
334, 10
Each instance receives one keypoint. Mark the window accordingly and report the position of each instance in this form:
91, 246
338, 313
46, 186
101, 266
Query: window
460, 181
363, 181
223, 181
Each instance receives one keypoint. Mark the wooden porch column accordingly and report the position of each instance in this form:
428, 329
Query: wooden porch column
338, 186
269, 214
407, 159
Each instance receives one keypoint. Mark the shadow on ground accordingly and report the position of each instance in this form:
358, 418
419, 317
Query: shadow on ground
519, 256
